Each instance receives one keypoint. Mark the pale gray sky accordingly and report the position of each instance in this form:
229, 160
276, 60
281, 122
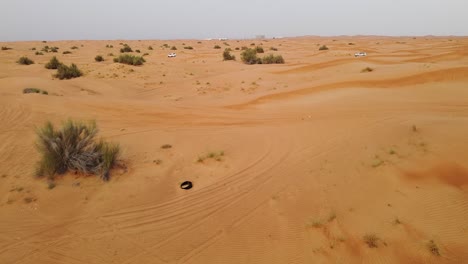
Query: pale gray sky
175, 19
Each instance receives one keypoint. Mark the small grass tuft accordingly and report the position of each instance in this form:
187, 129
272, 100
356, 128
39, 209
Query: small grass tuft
433, 248
323, 47
67, 52
166, 146
53, 64
6, 48
371, 240
173, 48
34, 90
217, 47
130, 60
367, 69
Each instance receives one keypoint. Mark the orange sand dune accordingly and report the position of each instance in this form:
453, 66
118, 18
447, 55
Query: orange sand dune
317, 154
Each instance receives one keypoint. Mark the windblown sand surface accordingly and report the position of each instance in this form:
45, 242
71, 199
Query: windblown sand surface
317, 155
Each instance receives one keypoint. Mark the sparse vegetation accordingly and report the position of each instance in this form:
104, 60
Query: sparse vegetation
146, 54
74, 148
51, 185
74, 48
33, 49
315, 223
218, 156
150, 48
6, 48
273, 49
396, 221
323, 47
66, 52
54, 49
98, 58
53, 64
367, 69
249, 56
68, 72
227, 55
126, 48
34, 90
137, 51
39, 53
130, 60
25, 61
173, 48
371, 240
217, 47
188, 47
433, 248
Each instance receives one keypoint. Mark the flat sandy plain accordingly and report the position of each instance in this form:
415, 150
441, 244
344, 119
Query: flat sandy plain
317, 154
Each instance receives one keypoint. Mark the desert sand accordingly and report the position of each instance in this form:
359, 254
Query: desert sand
316, 154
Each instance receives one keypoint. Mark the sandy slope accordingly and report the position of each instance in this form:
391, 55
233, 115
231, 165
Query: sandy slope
316, 154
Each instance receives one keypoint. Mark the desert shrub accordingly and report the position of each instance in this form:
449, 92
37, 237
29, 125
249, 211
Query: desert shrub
273, 49
259, 49
74, 148
74, 48
433, 248
367, 69
189, 47
109, 46
44, 41
351, 44
68, 72
126, 48
249, 56
25, 61
252, 44
273, 59
53, 64
66, 52
226, 44
54, 49
137, 51
44, 92
150, 48
110, 54
217, 47
39, 53
98, 58
130, 60
165, 45
323, 47
6, 48
31, 90
244, 48
237, 48
33, 49
227, 55
146, 54
173, 48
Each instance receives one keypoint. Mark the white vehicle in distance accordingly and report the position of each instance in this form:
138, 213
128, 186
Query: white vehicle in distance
171, 55
360, 54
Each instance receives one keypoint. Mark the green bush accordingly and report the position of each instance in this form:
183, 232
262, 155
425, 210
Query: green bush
126, 48
173, 48
217, 47
273, 59
130, 60
53, 64
25, 61
259, 49
227, 55
54, 49
323, 47
66, 52
150, 48
68, 72
137, 51
74, 148
74, 48
189, 47
98, 58
39, 53
6, 48
249, 56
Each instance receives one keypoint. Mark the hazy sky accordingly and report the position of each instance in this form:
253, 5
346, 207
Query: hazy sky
168, 19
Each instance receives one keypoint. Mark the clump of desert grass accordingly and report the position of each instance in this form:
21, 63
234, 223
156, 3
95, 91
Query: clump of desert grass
34, 90
68, 72
371, 240
227, 55
188, 47
126, 48
25, 61
249, 56
67, 52
6, 48
217, 47
323, 47
433, 248
74, 147
99, 58
367, 69
130, 60
273, 59
53, 64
